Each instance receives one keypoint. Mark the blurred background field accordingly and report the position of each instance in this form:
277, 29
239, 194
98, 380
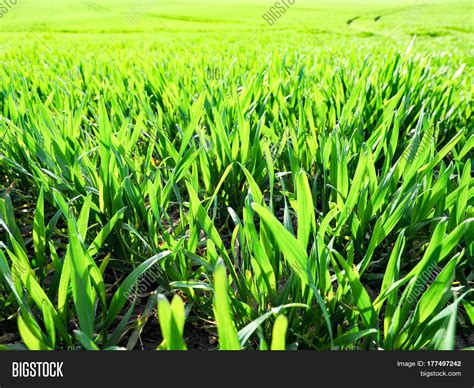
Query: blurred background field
425, 16
435, 22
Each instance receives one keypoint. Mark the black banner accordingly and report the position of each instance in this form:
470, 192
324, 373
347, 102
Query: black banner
180, 369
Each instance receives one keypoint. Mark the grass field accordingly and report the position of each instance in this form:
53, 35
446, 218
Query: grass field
187, 175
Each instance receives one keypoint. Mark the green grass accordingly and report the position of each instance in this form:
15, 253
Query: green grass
306, 185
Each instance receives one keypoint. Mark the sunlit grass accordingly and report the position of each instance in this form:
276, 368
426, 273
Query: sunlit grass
287, 196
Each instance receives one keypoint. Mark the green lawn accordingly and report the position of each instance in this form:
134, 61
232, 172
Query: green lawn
301, 185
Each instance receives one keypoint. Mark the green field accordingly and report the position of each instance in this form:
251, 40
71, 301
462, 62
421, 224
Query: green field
184, 175
429, 16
